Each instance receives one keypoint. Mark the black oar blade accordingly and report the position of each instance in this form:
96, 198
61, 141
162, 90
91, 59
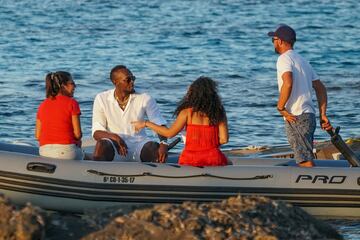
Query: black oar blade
173, 143
343, 147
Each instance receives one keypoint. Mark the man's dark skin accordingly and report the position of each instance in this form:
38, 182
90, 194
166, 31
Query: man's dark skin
123, 81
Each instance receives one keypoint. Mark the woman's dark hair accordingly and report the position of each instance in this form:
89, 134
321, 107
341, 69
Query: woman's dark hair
54, 81
202, 97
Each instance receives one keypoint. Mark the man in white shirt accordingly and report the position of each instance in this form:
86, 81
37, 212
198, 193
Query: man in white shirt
113, 112
296, 78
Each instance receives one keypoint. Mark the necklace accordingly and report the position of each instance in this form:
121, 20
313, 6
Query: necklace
122, 103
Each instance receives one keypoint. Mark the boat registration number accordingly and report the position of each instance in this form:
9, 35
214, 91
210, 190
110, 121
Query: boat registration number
118, 179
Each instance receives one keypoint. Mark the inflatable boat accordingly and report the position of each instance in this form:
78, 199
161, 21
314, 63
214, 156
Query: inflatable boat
331, 189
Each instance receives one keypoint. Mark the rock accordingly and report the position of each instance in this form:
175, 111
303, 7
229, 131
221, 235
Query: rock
250, 217
61, 226
6, 213
135, 229
235, 218
25, 224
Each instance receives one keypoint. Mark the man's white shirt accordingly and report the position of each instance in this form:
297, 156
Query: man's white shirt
108, 116
300, 100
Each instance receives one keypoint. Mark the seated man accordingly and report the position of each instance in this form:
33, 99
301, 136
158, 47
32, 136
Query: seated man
113, 112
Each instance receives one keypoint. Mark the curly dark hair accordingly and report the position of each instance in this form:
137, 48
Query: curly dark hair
202, 97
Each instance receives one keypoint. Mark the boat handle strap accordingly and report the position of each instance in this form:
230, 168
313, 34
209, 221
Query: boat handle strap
144, 174
41, 167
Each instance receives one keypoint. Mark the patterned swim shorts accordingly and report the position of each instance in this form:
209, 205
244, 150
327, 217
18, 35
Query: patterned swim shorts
301, 136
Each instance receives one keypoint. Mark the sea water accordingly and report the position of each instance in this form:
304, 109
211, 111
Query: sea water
167, 45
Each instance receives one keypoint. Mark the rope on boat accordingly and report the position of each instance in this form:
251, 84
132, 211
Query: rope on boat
144, 174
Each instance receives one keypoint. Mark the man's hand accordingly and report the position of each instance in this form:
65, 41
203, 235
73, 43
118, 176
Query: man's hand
120, 143
163, 153
325, 123
138, 125
288, 116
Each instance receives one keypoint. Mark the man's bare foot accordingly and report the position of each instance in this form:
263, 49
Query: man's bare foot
306, 164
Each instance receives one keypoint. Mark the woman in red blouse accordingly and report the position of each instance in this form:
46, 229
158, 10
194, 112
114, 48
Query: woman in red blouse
203, 115
58, 128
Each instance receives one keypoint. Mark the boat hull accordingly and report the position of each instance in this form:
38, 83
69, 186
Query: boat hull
330, 190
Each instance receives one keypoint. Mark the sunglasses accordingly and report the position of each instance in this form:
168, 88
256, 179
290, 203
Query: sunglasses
130, 79
274, 39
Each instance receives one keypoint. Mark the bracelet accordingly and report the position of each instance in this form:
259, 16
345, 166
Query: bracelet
280, 110
164, 142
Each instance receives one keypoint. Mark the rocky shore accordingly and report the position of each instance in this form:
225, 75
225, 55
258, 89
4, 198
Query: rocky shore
235, 218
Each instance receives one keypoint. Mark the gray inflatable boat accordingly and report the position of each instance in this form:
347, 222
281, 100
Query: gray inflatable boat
331, 189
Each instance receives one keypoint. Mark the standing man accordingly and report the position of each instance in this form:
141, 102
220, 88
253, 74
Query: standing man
113, 112
296, 78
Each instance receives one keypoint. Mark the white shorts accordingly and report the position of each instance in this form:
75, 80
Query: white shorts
61, 151
134, 149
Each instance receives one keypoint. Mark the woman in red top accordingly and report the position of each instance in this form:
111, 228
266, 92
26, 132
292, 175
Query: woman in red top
58, 127
204, 117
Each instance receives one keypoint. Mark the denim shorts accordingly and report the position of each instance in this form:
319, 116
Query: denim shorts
301, 136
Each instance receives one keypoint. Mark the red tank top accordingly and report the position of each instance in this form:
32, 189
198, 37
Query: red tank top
202, 146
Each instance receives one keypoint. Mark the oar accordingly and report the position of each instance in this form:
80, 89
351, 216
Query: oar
173, 143
343, 148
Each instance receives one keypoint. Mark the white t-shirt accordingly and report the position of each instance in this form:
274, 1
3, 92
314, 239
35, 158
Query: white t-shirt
108, 116
300, 100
